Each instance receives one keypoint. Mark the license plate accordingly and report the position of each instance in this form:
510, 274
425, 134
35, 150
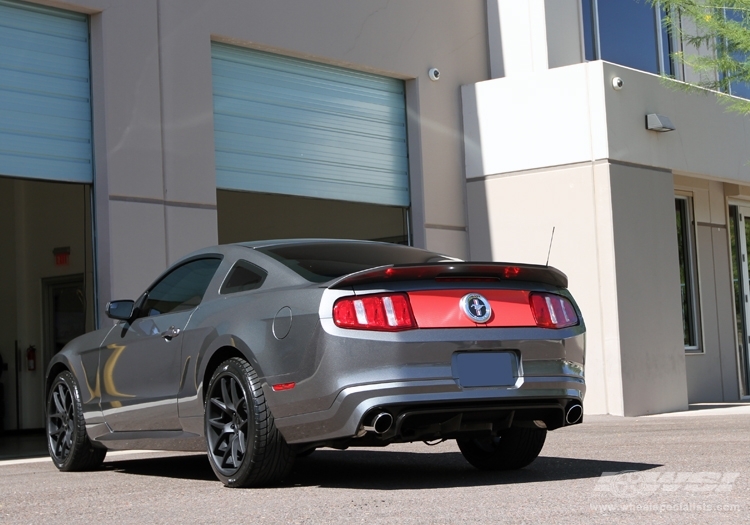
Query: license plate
481, 369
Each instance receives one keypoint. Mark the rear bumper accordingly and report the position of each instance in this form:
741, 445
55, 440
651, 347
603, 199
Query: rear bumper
533, 398
356, 373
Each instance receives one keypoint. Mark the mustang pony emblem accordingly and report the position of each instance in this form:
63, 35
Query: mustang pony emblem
476, 307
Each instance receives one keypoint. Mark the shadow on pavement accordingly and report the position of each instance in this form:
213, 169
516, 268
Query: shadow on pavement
19, 444
380, 470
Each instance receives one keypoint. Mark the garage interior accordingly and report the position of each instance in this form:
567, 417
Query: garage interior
251, 216
46, 281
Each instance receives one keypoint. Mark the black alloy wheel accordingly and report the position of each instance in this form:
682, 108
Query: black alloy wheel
513, 448
69, 446
244, 447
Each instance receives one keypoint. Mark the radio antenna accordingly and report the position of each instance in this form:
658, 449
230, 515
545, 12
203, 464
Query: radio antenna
550, 246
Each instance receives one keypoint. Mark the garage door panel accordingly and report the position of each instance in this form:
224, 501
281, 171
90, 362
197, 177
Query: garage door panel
319, 188
63, 86
285, 131
311, 109
291, 67
38, 41
45, 93
49, 104
46, 126
49, 146
285, 92
314, 169
265, 116
63, 169
290, 126
51, 65
319, 152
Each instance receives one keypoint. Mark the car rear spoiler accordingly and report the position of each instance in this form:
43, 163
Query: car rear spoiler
456, 270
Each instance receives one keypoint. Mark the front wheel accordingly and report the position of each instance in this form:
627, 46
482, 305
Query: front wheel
69, 446
514, 448
244, 447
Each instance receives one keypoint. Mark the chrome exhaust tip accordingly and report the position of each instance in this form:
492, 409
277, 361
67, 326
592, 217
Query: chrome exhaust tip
574, 414
380, 423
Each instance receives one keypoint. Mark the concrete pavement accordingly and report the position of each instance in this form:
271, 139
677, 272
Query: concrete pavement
667, 469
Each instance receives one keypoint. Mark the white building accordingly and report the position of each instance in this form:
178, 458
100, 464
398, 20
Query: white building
135, 131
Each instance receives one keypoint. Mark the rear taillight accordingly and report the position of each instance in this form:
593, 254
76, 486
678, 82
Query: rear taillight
384, 312
552, 310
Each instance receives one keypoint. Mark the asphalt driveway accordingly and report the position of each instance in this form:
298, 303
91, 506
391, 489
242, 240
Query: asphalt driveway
688, 468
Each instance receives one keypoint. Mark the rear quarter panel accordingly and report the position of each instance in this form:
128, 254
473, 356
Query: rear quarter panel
244, 322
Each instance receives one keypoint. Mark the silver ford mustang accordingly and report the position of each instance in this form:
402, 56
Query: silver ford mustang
262, 352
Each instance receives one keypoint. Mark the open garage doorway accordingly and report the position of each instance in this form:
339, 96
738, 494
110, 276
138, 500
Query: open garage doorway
249, 216
47, 286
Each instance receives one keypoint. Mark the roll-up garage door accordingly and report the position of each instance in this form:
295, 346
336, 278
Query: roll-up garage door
290, 126
45, 94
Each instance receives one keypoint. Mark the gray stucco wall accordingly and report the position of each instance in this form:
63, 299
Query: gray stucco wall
153, 110
712, 374
564, 32
648, 291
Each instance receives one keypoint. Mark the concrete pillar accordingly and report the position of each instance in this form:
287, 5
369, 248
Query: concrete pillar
517, 34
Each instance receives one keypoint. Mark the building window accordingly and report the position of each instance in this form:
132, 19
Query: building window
688, 280
628, 32
736, 88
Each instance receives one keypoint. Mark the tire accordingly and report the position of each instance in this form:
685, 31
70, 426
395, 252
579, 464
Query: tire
67, 442
513, 449
244, 447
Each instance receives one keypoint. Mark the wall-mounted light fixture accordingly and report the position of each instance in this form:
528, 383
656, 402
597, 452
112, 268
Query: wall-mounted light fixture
656, 122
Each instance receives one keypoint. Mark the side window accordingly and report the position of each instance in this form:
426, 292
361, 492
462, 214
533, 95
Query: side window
182, 288
688, 275
242, 277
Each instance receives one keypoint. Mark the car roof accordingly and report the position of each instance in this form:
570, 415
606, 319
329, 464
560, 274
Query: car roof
288, 242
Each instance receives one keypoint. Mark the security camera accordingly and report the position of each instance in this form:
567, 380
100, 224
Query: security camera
434, 74
617, 83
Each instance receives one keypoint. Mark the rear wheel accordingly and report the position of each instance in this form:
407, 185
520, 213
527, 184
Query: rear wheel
69, 446
514, 448
244, 447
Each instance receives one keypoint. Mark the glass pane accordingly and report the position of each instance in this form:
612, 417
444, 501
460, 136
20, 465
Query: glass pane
243, 277
667, 48
738, 89
323, 261
688, 322
627, 34
589, 35
182, 288
739, 303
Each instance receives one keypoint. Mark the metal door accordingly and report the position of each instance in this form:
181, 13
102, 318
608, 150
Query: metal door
140, 373
139, 363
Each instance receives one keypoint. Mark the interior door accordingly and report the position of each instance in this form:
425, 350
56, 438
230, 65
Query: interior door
740, 240
139, 362
64, 312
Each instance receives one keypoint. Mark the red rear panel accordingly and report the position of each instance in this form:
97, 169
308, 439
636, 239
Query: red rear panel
441, 308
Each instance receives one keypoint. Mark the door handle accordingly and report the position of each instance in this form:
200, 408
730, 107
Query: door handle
170, 333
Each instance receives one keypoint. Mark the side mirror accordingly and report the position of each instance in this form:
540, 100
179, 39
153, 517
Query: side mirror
120, 310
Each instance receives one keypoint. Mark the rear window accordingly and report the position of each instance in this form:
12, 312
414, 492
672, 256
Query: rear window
322, 262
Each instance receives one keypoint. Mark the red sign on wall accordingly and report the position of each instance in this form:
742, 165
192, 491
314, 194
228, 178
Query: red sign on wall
62, 256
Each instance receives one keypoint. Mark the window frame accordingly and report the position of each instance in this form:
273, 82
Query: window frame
691, 275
